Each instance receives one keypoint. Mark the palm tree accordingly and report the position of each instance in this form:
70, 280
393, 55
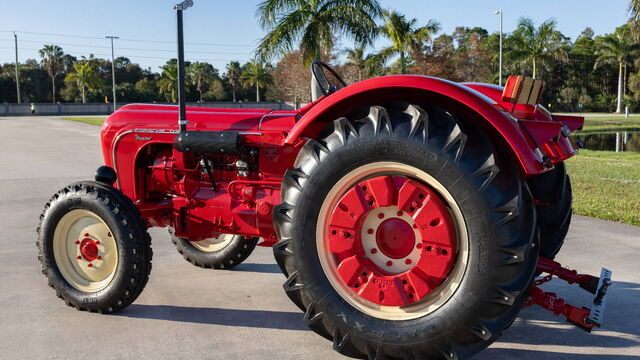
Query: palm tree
234, 75
617, 48
52, 61
256, 74
201, 74
634, 9
313, 24
533, 45
366, 65
86, 77
168, 82
405, 36
355, 57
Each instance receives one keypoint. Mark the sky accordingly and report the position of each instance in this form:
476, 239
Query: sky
221, 31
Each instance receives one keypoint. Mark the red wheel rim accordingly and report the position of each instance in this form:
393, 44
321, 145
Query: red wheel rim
392, 241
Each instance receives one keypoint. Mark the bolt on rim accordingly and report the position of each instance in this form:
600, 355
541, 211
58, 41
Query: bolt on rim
392, 241
85, 250
213, 244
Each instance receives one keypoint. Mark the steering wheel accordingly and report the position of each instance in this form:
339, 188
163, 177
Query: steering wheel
318, 69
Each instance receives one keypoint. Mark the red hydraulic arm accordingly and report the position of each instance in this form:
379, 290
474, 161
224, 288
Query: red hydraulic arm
579, 317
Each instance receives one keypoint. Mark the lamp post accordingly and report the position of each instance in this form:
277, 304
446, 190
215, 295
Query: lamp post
113, 71
499, 12
15, 37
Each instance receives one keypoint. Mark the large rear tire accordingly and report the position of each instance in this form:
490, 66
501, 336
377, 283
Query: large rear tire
404, 235
553, 195
94, 247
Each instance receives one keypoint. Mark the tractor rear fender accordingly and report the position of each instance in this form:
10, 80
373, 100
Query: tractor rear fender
501, 126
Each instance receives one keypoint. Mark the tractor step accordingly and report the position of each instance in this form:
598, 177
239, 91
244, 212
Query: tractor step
584, 318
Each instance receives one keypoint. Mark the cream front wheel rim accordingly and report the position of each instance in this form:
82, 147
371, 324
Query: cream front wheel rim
85, 250
214, 244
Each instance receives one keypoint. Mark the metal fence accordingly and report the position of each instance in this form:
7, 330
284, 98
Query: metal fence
8, 109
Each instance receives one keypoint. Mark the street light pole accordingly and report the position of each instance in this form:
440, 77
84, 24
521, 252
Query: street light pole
113, 71
500, 76
15, 37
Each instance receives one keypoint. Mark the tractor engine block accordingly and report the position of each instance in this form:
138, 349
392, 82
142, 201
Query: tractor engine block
191, 197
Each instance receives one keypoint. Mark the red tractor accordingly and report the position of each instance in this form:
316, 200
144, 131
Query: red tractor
409, 214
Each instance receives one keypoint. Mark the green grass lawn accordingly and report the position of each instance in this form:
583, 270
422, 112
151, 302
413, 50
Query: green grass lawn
610, 123
606, 185
91, 120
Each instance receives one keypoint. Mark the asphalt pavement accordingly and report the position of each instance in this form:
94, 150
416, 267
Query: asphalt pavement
188, 312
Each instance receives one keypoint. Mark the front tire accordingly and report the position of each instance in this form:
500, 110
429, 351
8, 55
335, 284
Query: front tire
476, 254
223, 252
94, 247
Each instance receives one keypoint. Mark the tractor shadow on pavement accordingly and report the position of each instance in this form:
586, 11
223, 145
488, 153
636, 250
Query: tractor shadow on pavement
553, 338
215, 316
258, 268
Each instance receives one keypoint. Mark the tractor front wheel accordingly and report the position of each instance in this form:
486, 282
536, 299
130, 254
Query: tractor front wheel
405, 235
222, 252
94, 247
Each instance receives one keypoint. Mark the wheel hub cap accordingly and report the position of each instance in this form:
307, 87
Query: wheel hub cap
89, 249
395, 238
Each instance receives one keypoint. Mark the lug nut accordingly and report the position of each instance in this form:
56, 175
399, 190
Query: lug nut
373, 251
99, 257
86, 234
370, 231
389, 263
78, 242
90, 265
408, 261
381, 216
400, 213
78, 257
98, 242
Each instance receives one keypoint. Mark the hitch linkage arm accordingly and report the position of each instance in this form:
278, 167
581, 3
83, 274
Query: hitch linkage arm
587, 282
550, 301
583, 318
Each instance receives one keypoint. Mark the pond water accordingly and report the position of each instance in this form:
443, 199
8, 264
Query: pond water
620, 141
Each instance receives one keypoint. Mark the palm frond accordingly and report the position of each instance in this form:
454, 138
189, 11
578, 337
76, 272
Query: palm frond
283, 35
269, 11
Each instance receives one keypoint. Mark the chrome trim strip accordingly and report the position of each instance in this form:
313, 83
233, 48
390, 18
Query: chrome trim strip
156, 131
262, 118
113, 153
198, 112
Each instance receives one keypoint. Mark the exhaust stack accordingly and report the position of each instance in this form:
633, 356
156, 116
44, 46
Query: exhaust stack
182, 116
